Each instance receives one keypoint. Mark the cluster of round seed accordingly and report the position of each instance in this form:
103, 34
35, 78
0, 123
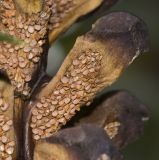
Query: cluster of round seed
6, 124
76, 87
112, 129
20, 61
60, 10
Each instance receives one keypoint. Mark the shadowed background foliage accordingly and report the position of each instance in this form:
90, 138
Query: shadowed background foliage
141, 78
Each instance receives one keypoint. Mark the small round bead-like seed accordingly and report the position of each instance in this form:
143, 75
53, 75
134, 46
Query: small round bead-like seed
10, 150
31, 29
64, 80
5, 127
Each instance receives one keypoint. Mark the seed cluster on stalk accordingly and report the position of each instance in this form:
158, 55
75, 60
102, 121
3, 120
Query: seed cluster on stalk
75, 88
21, 61
7, 144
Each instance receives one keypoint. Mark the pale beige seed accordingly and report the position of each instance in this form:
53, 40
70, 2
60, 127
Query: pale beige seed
36, 137
84, 61
20, 25
72, 112
32, 125
33, 43
87, 87
73, 97
45, 105
73, 73
39, 116
56, 92
10, 122
22, 64
2, 148
30, 56
35, 131
34, 119
36, 59
37, 27
27, 49
12, 143
58, 97
31, 29
62, 91
11, 50
61, 103
52, 121
34, 111
64, 80
48, 125
5, 107
1, 117
39, 105
54, 114
76, 62
85, 72
10, 150
41, 111
5, 127
1, 101
40, 132
62, 120
76, 101
35, 50
9, 158
92, 70
67, 100
28, 78
61, 112
4, 139
41, 42
88, 103
52, 108
80, 93
54, 102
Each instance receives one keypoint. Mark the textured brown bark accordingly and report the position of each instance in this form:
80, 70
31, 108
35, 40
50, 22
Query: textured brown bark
97, 59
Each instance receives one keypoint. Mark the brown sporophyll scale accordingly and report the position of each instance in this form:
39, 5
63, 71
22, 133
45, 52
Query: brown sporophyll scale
68, 95
33, 21
120, 113
34, 106
78, 143
95, 62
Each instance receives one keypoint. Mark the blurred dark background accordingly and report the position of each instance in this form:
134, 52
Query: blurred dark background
141, 78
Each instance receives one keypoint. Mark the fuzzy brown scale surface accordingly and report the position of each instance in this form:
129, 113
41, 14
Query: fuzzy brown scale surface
21, 61
74, 89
